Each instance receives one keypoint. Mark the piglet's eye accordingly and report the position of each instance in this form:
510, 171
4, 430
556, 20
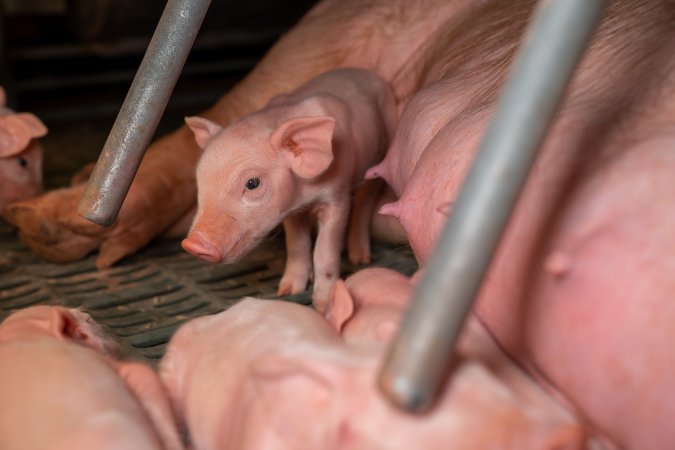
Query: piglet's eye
252, 183
23, 162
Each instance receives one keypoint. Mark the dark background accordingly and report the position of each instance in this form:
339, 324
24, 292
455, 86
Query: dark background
71, 62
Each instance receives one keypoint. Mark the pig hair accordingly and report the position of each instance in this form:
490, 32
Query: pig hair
651, 23
334, 24
481, 47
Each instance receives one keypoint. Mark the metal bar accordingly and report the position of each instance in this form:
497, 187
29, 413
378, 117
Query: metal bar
142, 109
419, 358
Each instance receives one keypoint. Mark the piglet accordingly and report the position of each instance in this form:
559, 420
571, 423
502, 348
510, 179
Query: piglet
62, 389
275, 375
366, 308
20, 154
300, 156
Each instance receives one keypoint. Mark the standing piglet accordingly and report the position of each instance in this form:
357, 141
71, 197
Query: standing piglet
301, 155
20, 154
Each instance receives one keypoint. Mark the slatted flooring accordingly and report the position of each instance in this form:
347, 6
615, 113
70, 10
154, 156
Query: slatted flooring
143, 299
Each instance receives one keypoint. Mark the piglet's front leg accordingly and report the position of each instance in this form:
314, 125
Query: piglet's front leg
298, 254
332, 221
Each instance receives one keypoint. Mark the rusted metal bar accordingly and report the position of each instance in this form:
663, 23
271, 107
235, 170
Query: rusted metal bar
142, 109
419, 358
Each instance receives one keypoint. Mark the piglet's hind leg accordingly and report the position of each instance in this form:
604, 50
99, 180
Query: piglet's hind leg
358, 234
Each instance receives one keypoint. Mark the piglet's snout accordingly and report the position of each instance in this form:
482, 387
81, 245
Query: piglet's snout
199, 246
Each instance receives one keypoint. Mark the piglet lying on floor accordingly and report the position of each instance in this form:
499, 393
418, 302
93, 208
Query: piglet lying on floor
61, 390
271, 375
366, 310
20, 154
301, 154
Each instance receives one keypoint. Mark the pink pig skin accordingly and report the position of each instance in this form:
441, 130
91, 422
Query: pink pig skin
20, 155
305, 151
58, 375
367, 307
423, 116
56, 243
273, 375
579, 289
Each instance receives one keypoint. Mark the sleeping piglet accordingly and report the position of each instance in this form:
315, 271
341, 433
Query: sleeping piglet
20, 154
367, 308
61, 388
273, 375
301, 155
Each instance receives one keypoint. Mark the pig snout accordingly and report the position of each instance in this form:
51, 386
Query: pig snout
198, 245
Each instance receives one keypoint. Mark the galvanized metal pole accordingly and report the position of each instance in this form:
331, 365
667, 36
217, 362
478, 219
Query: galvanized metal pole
419, 357
142, 109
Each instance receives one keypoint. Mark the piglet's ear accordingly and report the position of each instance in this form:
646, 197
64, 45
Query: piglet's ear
78, 326
340, 306
34, 125
307, 144
3, 96
203, 129
293, 389
16, 132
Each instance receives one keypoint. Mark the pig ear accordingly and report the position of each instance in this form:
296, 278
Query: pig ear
3, 96
203, 129
292, 389
307, 144
340, 306
78, 326
34, 125
16, 132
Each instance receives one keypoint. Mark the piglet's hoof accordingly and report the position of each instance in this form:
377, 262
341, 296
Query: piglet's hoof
39, 221
292, 284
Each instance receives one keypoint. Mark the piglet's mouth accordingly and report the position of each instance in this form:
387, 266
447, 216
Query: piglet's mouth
240, 248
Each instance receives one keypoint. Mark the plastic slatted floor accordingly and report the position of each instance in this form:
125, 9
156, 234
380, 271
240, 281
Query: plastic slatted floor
144, 298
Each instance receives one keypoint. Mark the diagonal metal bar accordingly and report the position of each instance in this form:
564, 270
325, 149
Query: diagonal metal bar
142, 109
419, 358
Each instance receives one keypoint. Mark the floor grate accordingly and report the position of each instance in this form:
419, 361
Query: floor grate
144, 298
